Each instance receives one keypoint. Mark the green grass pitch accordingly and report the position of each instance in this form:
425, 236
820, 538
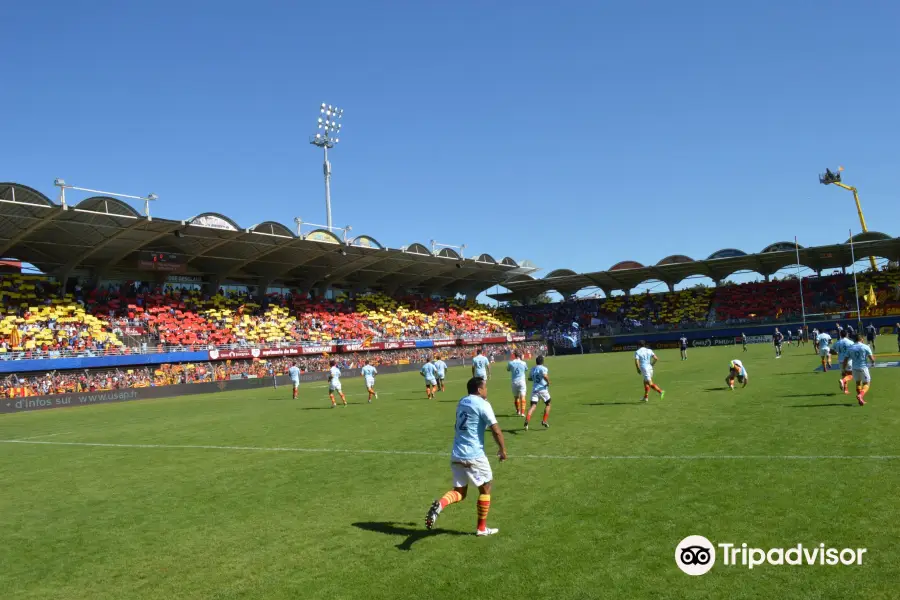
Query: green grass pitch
591, 508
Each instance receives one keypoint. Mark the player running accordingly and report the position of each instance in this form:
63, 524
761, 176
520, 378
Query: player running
429, 372
744, 340
334, 384
481, 367
815, 335
517, 368
369, 372
842, 347
778, 338
467, 459
682, 344
441, 368
540, 390
294, 374
644, 359
824, 344
737, 370
861, 357
871, 333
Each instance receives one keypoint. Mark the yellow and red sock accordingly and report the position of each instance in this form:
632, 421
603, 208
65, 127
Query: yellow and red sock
484, 505
449, 498
656, 388
646, 390
546, 414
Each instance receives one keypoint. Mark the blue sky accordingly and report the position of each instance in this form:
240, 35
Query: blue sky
573, 134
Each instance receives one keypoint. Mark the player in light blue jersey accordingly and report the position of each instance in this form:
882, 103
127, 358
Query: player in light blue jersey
540, 390
429, 372
294, 374
441, 368
481, 366
334, 384
517, 368
823, 343
468, 462
369, 372
644, 360
842, 347
270, 368
862, 357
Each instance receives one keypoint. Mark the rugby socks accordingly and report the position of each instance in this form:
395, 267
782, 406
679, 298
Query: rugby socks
655, 388
451, 497
646, 391
484, 505
546, 413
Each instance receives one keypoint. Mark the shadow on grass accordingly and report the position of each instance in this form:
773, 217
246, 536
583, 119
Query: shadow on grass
822, 405
799, 373
819, 395
513, 431
404, 529
636, 403
715, 389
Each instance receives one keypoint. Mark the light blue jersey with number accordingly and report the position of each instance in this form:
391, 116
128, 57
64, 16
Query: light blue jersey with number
824, 340
369, 372
480, 363
517, 369
842, 347
335, 376
441, 367
473, 415
539, 378
294, 373
429, 371
860, 354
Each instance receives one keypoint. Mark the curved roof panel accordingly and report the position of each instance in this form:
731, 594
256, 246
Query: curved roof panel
417, 248
509, 262
486, 258
448, 253
559, 273
22, 193
780, 247
322, 235
110, 206
272, 228
675, 259
869, 236
365, 241
626, 264
213, 220
726, 253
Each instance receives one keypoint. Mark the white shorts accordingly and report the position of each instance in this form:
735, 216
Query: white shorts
518, 388
476, 471
334, 387
295, 383
430, 381
647, 373
370, 383
849, 368
540, 395
862, 375
824, 352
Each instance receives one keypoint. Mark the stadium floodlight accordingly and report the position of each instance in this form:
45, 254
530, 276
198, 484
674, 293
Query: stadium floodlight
834, 178
326, 140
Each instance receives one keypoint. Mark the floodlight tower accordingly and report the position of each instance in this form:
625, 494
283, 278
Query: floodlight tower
329, 128
835, 179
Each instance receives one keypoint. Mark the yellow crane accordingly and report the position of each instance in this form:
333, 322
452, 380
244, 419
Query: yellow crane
835, 179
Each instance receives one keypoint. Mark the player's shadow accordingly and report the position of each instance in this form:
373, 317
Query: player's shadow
635, 403
715, 389
819, 395
404, 529
822, 405
513, 431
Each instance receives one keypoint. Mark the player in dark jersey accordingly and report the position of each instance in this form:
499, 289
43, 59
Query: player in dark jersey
871, 333
778, 339
682, 343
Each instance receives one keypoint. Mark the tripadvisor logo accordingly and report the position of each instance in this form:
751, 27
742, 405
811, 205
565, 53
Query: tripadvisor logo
696, 555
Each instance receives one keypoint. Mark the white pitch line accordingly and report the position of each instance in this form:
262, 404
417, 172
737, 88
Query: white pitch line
609, 457
45, 435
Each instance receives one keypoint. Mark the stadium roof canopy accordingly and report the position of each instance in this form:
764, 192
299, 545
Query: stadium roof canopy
108, 237
627, 275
